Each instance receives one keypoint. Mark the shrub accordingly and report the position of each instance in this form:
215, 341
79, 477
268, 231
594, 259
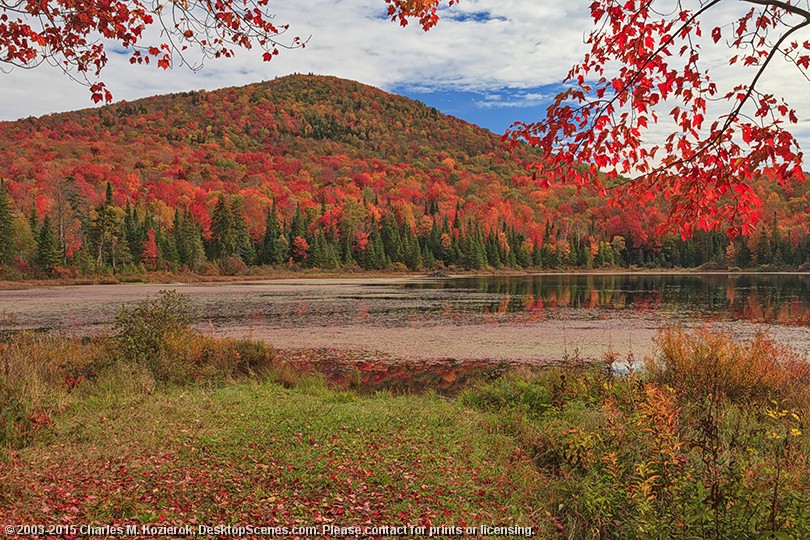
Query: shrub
398, 267
711, 266
708, 442
226, 358
157, 333
36, 364
701, 362
13, 416
209, 268
37, 374
253, 357
233, 266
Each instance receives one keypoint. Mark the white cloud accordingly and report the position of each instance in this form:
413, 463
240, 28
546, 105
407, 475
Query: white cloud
351, 39
522, 45
514, 100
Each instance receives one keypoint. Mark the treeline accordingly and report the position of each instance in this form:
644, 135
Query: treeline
82, 239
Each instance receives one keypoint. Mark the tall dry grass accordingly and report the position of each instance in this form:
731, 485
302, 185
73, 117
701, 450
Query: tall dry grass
702, 361
152, 344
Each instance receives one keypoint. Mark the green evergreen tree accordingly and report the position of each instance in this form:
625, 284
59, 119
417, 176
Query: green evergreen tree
271, 250
105, 234
224, 234
413, 253
108, 196
742, 253
167, 249
134, 233
244, 245
323, 253
49, 254
6, 226
522, 256
380, 260
298, 225
777, 249
493, 250
348, 255
33, 222
392, 241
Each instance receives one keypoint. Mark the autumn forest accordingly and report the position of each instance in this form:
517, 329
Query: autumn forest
320, 172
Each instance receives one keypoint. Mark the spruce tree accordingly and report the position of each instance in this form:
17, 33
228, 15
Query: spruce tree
348, 256
777, 255
6, 226
224, 237
134, 233
271, 250
298, 226
33, 222
48, 252
244, 245
108, 198
188, 241
392, 241
105, 233
167, 248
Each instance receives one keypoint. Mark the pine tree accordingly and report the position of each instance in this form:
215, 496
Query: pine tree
742, 253
188, 241
33, 222
244, 245
224, 235
134, 233
378, 259
167, 248
777, 255
105, 233
348, 256
323, 253
6, 226
413, 253
298, 226
271, 250
392, 241
108, 198
48, 252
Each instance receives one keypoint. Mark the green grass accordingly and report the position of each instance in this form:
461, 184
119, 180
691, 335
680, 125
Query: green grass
159, 424
264, 454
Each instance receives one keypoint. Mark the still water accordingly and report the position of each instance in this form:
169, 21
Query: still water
526, 318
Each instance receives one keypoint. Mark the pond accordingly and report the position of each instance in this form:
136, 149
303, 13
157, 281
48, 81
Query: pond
536, 319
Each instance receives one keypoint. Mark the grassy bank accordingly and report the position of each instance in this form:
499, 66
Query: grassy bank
155, 424
253, 453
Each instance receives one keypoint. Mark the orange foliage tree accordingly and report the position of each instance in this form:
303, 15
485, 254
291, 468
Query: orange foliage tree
643, 66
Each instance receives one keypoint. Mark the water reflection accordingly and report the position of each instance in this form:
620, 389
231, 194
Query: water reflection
782, 299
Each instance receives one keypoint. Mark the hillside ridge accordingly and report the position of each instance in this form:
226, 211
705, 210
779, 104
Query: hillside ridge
344, 157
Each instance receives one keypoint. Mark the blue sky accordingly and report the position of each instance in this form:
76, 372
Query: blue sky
487, 61
495, 110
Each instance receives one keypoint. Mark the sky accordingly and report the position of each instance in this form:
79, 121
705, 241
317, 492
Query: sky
490, 62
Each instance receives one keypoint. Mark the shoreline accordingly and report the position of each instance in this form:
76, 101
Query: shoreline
168, 279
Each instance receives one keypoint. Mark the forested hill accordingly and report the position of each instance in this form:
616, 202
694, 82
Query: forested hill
320, 171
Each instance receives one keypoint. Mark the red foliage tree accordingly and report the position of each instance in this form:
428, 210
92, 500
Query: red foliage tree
594, 130
300, 249
150, 250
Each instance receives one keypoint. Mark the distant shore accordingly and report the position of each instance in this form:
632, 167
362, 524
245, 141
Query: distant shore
186, 277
